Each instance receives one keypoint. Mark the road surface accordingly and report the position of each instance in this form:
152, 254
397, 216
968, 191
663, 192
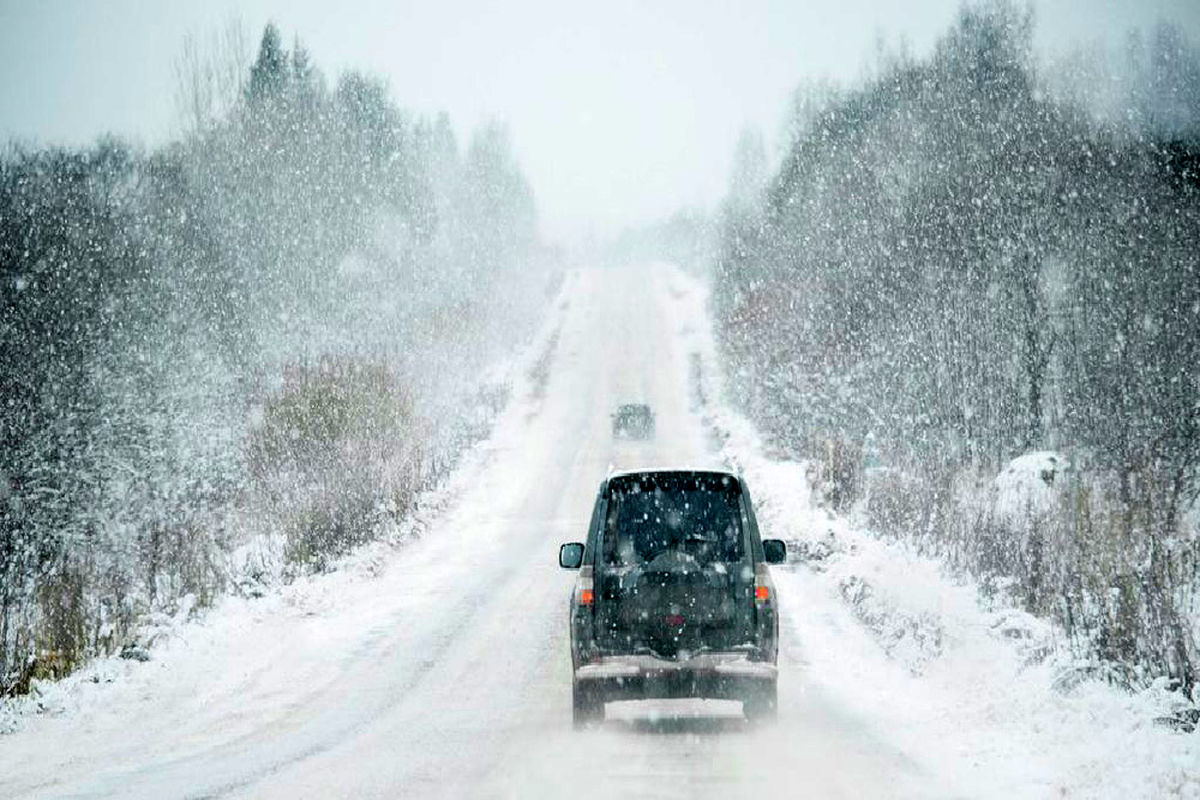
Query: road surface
443, 670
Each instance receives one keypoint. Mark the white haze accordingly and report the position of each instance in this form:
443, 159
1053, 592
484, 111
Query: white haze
620, 113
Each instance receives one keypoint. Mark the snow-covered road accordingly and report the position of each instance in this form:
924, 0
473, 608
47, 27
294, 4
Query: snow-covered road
441, 669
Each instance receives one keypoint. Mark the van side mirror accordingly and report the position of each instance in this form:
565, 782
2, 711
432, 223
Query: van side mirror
774, 550
570, 555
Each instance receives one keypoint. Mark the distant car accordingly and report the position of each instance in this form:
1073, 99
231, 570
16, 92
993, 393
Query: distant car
673, 598
633, 421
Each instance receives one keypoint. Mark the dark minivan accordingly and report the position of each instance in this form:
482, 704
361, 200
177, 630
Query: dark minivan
673, 598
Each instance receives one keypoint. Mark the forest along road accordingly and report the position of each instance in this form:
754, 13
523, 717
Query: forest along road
447, 673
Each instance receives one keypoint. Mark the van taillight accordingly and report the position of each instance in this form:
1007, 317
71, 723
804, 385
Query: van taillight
586, 592
762, 584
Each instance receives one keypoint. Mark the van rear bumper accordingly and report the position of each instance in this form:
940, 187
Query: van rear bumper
728, 676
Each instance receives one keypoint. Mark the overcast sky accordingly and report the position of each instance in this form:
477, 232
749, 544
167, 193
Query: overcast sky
621, 111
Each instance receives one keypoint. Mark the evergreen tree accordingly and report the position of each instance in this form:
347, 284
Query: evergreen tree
270, 73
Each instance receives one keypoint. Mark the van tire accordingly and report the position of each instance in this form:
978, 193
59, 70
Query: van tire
761, 704
587, 705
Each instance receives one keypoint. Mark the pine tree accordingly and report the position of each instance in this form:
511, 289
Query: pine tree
269, 74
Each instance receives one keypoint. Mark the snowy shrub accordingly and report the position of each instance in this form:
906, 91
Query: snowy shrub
338, 448
894, 502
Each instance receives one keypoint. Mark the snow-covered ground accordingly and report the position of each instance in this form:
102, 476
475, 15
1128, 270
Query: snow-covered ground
437, 665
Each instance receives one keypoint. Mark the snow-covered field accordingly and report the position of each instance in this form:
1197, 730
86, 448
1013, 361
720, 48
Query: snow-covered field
436, 665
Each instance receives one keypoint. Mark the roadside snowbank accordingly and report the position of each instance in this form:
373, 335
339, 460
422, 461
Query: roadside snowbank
977, 695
